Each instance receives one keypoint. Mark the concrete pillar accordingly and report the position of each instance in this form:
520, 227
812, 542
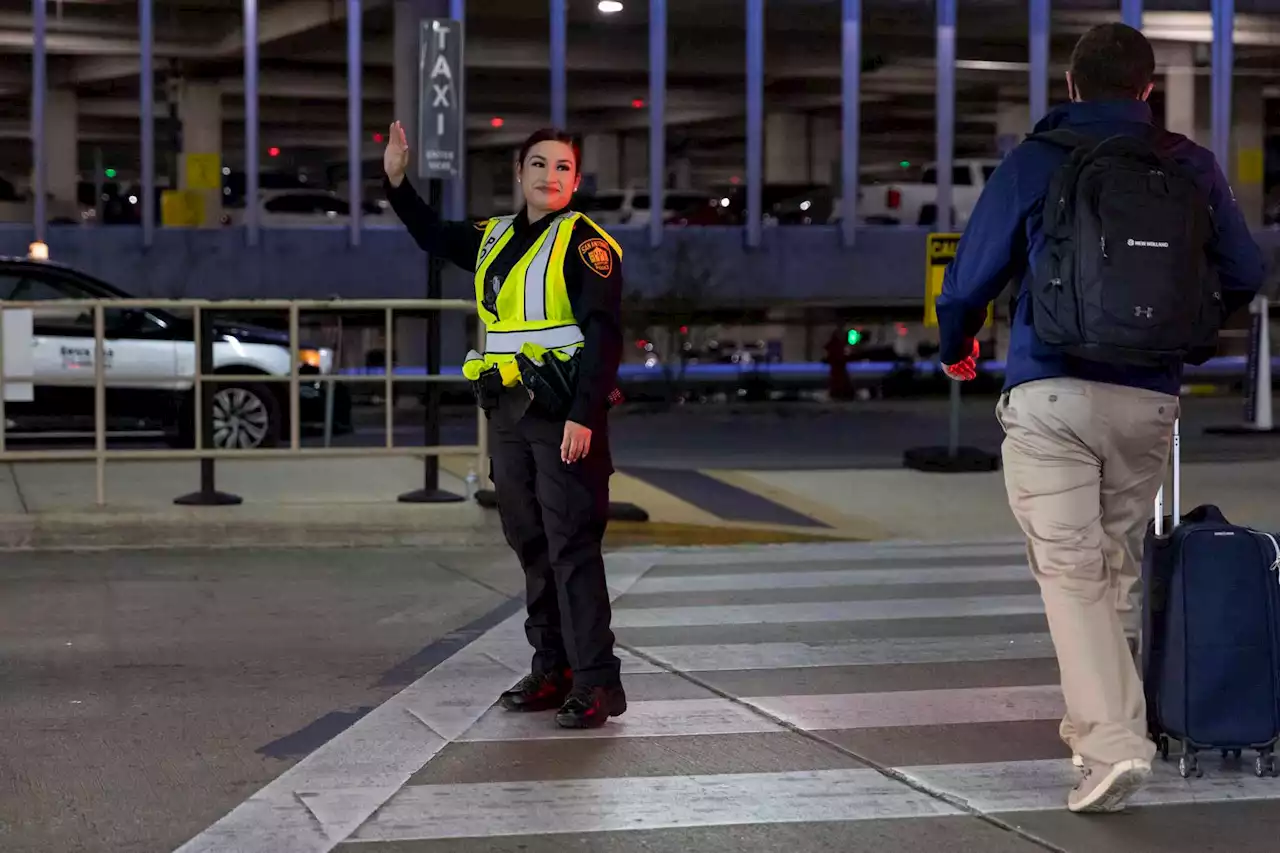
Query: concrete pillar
600, 161
1180, 90
200, 110
1013, 122
634, 170
824, 151
1248, 144
682, 173
786, 152
62, 161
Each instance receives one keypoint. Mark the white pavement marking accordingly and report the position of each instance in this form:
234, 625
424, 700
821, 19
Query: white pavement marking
317, 803
664, 802
834, 578
847, 711
489, 810
898, 650
657, 718
915, 707
1020, 786
1006, 550
828, 611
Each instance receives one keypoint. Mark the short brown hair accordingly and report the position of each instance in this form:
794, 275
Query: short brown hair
552, 134
1112, 61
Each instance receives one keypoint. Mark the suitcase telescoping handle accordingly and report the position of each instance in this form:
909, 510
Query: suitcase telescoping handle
1177, 485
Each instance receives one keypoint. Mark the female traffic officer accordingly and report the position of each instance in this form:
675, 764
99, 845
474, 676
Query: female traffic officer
548, 285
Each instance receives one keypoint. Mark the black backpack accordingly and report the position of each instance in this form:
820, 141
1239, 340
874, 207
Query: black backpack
1124, 276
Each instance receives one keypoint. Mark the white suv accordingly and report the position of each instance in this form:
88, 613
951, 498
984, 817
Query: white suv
156, 349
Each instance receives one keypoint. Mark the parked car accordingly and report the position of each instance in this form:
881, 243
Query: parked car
156, 350
631, 206
917, 203
294, 208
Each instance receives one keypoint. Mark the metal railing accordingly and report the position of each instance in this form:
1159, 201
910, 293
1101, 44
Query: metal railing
201, 310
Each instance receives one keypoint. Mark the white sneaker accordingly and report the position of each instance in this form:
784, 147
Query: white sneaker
1077, 761
1106, 789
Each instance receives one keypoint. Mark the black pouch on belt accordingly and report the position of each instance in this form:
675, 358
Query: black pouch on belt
552, 383
487, 388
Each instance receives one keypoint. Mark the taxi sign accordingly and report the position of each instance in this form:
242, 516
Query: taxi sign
940, 251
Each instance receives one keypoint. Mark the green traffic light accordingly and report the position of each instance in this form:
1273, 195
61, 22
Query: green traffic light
854, 337
906, 164
110, 173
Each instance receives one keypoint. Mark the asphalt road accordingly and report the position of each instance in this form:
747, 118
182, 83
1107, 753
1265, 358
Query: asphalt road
144, 695
797, 436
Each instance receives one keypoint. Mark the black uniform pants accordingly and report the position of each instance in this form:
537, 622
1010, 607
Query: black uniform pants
554, 517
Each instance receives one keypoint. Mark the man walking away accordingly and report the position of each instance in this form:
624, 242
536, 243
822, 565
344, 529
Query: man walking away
1129, 252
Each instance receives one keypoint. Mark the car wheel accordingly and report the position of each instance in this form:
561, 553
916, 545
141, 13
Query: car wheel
245, 417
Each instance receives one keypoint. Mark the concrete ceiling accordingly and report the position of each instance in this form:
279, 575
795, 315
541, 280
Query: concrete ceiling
93, 48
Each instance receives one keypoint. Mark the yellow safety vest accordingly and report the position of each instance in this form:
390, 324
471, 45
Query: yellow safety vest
534, 313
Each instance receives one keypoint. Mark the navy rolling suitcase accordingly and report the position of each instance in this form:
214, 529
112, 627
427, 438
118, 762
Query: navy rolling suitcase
1211, 635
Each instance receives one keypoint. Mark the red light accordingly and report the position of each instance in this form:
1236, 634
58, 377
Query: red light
684, 330
735, 180
638, 104
893, 199
496, 122
902, 330
273, 152
641, 344
377, 137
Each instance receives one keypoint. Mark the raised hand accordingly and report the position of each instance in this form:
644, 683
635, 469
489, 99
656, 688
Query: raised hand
395, 159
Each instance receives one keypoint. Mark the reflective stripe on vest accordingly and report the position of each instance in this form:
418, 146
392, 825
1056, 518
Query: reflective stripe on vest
509, 343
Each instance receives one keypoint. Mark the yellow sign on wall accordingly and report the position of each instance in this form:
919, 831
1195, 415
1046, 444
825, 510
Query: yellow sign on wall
182, 209
1250, 169
204, 171
940, 251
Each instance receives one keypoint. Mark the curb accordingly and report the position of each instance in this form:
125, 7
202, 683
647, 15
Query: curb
247, 526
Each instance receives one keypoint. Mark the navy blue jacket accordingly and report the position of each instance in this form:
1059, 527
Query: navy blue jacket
1004, 235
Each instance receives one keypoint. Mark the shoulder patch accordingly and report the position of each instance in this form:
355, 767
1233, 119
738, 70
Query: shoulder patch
481, 224
597, 256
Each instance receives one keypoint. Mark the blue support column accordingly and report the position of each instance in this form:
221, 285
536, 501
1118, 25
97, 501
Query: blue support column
39, 92
1039, 59
355, 119
251, 155
657, 116
755, 120
559, 48
1224, 19
946, 110
147, 111
457, 203
851, 114
1131, 13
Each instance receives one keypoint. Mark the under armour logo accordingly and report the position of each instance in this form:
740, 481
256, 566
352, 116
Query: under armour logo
1146, 313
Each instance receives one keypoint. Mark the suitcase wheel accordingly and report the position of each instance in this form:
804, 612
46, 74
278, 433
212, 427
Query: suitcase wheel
1265, 765
1164, 748
1189, 764
1232, 754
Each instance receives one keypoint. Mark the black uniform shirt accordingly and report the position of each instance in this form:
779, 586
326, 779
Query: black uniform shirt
594, 284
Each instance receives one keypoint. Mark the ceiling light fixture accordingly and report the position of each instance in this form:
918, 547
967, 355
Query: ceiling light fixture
609, 7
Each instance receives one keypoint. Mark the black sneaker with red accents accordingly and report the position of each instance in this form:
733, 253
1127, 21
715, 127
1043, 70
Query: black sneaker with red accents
591, 707
538, 691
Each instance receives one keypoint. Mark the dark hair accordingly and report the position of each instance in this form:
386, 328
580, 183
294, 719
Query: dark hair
1112, 61
553, 134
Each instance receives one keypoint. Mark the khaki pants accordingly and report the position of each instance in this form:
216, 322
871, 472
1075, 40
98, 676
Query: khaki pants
1082, 464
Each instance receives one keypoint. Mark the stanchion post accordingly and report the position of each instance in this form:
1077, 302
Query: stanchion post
431, 491
100, 404
202, 321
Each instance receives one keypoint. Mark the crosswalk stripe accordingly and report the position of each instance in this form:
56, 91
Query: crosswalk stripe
886, 652
834, 578
488, 810
828, 611
715, 716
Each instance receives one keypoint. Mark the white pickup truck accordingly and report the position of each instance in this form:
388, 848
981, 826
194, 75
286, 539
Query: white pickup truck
916, 203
